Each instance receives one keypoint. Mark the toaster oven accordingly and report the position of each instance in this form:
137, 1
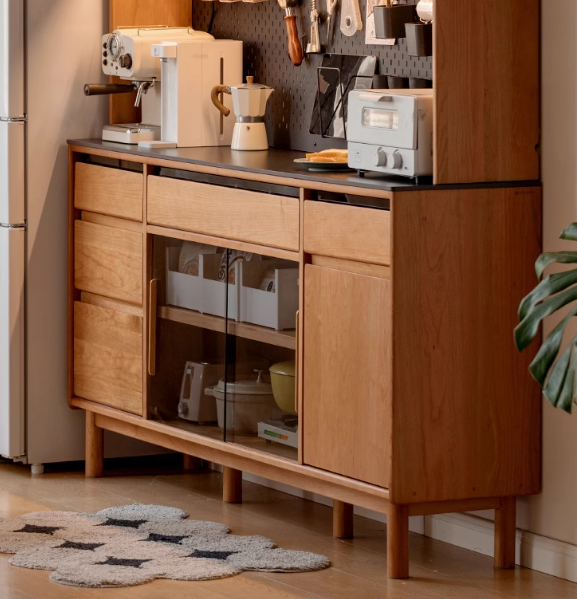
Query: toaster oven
391, 131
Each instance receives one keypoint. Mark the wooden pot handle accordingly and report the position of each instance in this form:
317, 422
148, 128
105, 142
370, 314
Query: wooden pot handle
294, 44
216, 90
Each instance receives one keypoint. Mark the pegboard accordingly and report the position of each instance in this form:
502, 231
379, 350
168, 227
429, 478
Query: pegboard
262, 29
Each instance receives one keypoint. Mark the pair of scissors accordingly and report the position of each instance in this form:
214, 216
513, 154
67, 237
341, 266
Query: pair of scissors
331, 7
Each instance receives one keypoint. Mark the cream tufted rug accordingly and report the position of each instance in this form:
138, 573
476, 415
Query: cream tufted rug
134, 544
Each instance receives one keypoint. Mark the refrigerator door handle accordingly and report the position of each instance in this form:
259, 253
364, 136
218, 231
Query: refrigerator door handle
14, 119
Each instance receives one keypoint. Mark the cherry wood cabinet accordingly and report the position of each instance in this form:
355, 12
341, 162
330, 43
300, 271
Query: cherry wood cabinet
411, 397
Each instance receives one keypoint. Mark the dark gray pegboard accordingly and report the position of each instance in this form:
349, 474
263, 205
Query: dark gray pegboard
262, 29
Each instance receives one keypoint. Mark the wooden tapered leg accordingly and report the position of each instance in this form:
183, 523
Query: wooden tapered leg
398, 541
342, 520
190, 463
94, 447
232, 485
505, 533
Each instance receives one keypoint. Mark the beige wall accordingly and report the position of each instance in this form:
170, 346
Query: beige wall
554, 512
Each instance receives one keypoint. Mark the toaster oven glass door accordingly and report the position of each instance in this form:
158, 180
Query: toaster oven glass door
381, 118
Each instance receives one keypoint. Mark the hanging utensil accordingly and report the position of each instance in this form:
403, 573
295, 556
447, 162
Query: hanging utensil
351, 20
314, 46
331, 7
294, 45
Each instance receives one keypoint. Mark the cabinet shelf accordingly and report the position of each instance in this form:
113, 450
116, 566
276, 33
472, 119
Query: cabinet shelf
254, 332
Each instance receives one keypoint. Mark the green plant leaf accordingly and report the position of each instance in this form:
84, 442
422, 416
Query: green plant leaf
554, 384
528, 328
550, 286
570, 232
544, 260
565, 401
549, 349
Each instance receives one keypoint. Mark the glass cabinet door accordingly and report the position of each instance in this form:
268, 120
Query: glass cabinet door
259, 399
224, 364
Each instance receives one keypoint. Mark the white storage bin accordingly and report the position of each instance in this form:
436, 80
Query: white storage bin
214, 291
203, 293
274, 309
182, 290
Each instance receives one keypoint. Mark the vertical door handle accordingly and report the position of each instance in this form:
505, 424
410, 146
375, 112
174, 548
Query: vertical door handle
298, 385
152, 316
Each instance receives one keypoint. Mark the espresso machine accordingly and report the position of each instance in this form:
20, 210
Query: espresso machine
126, 53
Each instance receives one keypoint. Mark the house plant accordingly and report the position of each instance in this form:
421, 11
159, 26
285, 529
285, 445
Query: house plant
557, 377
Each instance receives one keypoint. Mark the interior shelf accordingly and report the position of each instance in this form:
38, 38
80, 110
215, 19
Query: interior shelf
254, 332
214, 432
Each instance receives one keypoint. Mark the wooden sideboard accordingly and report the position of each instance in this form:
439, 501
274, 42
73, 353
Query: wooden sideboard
412, 398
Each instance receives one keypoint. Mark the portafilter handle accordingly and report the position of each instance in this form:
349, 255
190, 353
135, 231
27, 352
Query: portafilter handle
104, 89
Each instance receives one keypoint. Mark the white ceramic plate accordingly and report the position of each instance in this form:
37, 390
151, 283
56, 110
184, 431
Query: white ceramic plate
323, 166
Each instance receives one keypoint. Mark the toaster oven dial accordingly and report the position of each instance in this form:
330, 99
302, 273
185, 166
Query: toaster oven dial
182, 409
381, 158
397, 160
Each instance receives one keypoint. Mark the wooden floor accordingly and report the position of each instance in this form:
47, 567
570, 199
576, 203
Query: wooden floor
438, 570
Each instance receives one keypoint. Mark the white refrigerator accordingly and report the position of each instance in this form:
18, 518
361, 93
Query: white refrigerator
48, 50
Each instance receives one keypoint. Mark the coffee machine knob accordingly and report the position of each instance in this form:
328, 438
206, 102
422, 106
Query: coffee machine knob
125, 61
182, 408
397, 159
380, 158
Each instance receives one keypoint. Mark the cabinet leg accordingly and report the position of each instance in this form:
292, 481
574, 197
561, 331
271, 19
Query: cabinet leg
342, 520
398, 541
232, 485
190, 463
94, 447
505, 533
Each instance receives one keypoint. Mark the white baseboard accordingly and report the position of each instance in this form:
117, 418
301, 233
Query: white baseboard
536, 552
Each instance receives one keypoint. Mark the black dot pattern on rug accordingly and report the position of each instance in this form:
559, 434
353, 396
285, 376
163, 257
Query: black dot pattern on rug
158, 538
80, 546
41, 530
221, 555
123, 523
128, 563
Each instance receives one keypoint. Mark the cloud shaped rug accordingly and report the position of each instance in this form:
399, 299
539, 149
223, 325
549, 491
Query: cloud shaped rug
134, 544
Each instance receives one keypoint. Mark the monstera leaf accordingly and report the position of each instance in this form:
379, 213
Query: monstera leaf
557, 377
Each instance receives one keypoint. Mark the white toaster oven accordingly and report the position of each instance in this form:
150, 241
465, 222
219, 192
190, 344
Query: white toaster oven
391, 131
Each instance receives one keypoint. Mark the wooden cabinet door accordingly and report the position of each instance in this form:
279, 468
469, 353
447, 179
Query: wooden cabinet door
347, 374
108, 357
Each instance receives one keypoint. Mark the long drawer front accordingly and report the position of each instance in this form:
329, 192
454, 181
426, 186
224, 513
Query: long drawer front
108, 357
347, 232
237, 214
110, 191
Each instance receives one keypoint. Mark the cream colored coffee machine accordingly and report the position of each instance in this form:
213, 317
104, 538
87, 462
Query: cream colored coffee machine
190, 70
126, 53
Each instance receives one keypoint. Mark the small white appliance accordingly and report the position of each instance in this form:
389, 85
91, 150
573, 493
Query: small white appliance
196, 405
189, 71
391, 131
126, 53
249, 102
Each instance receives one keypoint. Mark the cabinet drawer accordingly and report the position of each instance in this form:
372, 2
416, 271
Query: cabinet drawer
348, 232
108, 261
238, 214
108, 191
347, 398
108, 357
